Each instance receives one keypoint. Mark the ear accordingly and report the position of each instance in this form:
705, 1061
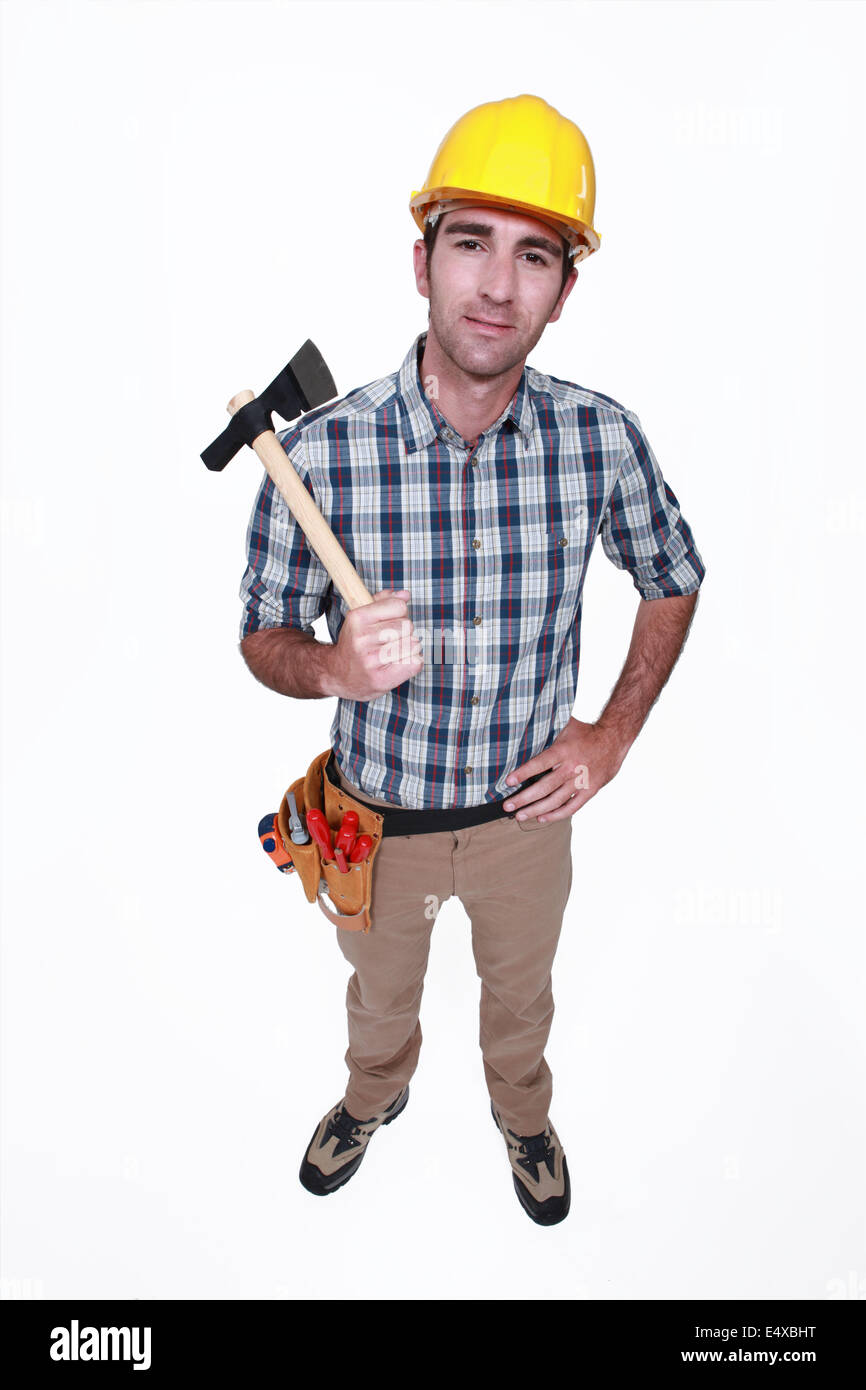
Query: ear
566, 291
419, 254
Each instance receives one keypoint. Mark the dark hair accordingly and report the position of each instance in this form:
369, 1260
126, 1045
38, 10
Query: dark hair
431, 232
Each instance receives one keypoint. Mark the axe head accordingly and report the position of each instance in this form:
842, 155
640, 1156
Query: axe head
304, 383
314, 382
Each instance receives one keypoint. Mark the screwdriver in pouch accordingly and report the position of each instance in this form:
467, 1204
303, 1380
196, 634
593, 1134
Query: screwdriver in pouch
361, 849
345, 840
320, 831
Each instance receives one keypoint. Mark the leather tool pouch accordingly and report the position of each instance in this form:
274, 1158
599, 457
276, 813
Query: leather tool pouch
350, 893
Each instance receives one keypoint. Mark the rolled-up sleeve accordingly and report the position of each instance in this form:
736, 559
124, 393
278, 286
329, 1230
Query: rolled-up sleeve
285, 584
643, 530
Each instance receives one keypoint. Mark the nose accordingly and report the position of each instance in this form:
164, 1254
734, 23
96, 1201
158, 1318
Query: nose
497, 278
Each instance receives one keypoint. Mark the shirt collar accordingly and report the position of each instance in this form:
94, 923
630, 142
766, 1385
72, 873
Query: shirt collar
422, 421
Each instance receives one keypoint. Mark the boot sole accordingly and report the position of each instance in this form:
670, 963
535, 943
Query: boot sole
315, 1181
535, 1210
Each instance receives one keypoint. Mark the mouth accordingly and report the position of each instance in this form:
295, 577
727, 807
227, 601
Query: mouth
485, 326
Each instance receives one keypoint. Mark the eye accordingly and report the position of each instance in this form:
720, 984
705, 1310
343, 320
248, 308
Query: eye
536, 258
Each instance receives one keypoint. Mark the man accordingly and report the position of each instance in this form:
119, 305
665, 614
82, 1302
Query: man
469, 489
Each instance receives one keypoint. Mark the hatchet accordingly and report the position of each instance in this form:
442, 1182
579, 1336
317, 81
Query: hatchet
304, 383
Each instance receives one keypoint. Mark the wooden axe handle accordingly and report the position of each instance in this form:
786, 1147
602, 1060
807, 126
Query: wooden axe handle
306, 513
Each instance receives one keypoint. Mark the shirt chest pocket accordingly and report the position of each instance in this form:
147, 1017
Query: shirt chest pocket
548, 558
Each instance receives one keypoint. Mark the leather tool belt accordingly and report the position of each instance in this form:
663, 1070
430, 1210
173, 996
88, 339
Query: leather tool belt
351, 893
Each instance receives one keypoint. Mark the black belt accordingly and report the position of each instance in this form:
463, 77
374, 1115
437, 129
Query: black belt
405, 821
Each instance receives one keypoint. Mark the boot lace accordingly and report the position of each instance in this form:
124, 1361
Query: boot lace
344, 1126
535, 1146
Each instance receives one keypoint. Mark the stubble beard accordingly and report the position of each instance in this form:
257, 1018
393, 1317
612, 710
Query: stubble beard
483, 358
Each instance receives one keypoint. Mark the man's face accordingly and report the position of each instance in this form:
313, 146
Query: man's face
493, 285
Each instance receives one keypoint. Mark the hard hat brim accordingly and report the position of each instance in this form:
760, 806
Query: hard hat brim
583, 238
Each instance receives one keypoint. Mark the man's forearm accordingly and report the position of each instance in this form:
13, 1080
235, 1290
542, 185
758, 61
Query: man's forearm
660, 631
290, 661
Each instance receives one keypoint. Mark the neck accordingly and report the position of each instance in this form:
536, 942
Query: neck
469, 403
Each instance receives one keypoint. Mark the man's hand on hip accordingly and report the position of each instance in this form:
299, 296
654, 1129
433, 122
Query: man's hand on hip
582, 760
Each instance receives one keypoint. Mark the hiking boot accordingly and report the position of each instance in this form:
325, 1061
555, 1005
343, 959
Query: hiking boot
339, 1143
540, 1172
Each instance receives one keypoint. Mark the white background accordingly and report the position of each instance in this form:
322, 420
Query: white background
189, 190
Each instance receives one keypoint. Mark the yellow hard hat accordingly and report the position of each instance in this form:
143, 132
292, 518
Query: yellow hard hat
519, 154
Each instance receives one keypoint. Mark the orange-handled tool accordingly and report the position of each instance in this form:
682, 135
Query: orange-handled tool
272, 843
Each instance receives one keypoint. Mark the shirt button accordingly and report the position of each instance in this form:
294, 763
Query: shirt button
563, 540
475, 700
477, 621
467, 770
477, 544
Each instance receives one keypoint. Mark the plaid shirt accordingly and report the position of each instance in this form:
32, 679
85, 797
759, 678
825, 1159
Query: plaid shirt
492, 542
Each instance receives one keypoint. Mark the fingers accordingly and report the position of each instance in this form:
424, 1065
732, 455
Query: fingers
564, 801
396, 641
399, 596
378, 646
389, 640
386, 605
396, 644
568, 808
545, 784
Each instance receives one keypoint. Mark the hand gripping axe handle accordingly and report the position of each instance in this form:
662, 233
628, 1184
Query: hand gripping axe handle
304, 383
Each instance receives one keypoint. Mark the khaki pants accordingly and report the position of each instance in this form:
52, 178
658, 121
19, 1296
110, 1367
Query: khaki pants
513, 878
